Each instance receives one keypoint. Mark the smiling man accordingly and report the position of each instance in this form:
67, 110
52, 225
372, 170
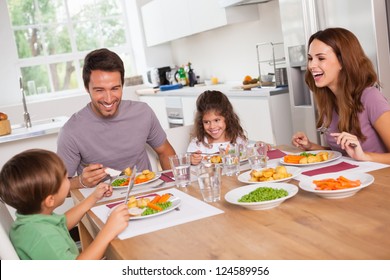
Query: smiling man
108, 131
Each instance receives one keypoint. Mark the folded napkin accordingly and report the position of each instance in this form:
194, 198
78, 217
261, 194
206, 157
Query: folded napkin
167, 177
330, 169
273, 154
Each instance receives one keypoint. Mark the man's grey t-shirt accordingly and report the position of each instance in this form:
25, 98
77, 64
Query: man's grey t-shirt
116, 142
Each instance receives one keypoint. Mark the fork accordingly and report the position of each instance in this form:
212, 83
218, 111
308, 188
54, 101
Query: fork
325, 130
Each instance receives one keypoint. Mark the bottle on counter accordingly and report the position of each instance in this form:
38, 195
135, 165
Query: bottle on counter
191, 76
182, 77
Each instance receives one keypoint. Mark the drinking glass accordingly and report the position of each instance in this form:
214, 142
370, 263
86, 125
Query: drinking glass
209, 180
257, 155
181, 165
230, 159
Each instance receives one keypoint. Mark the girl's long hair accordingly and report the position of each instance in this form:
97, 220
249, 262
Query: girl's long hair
357, 74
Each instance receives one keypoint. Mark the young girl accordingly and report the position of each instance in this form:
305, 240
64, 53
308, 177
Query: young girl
35, 182
215, 124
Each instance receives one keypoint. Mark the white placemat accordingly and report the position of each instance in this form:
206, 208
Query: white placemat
191, 209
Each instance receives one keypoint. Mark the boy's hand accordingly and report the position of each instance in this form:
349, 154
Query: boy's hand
102, 190
118, 220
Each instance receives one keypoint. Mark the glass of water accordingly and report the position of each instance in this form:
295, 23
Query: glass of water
181, 165
257, 155
230, 159
209, 180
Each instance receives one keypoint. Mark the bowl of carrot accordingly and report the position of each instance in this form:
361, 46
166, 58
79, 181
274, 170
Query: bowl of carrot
335, 186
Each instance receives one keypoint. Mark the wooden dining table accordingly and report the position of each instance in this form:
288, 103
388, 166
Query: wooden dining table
304, 227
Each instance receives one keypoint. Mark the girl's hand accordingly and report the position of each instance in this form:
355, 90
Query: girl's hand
350, 143
102, 190
196, 157
261, 143
301, 141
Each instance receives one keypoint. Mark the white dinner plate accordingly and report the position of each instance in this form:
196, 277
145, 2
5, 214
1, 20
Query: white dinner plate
234, 195
294, 171
333, 155
308, 185
176, 201
157, 176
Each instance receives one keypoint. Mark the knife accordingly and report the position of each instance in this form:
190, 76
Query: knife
131, 184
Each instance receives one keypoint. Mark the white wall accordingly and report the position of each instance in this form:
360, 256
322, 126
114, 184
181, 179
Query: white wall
230, 52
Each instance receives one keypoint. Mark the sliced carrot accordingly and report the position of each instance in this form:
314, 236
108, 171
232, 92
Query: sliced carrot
154, 206
336, 184
164, 197
156, 199
292, 158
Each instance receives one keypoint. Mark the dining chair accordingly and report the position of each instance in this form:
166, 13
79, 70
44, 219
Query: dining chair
7, 250
179, 137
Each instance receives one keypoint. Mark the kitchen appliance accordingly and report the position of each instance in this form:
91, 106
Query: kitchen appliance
174, 110
158, 76
367, 19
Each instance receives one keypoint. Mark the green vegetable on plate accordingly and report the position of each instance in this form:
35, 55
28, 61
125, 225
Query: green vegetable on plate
263, 194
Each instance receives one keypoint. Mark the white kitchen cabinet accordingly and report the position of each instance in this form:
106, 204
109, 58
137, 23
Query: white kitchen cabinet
157, 103
167, 20
266, 119
255, 118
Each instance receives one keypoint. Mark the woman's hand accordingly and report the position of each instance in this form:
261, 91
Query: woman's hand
301, 141
350, 143
196, 157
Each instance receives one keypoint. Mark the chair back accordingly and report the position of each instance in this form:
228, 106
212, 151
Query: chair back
7, 251
179, 137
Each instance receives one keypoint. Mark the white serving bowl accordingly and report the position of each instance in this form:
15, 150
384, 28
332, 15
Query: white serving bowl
308, 185
234, 195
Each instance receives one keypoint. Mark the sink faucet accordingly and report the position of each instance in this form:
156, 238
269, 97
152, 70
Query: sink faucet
27, 120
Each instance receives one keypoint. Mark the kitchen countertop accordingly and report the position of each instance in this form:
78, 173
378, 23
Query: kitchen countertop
38, 128
229, 90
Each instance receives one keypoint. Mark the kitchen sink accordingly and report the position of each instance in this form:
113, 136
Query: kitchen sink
38, 128
39, 123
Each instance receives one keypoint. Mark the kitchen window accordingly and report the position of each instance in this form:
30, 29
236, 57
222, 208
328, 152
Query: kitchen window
53, 36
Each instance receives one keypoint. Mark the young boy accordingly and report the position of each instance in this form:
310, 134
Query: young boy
35, 182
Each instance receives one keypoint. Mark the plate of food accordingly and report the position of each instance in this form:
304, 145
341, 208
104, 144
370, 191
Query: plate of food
310, 158
152, 205
217, 159
261, 196
278, 174
335, 186
142, 178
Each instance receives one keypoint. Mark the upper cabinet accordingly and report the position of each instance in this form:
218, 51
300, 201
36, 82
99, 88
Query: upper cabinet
167, 20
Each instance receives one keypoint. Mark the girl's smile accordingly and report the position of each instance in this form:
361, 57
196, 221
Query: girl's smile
215, 127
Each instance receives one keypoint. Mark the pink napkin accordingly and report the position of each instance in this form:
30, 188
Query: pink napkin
167, 177
273, 154
329, 169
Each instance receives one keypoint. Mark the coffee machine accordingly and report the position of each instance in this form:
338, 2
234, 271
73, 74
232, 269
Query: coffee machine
158, 76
